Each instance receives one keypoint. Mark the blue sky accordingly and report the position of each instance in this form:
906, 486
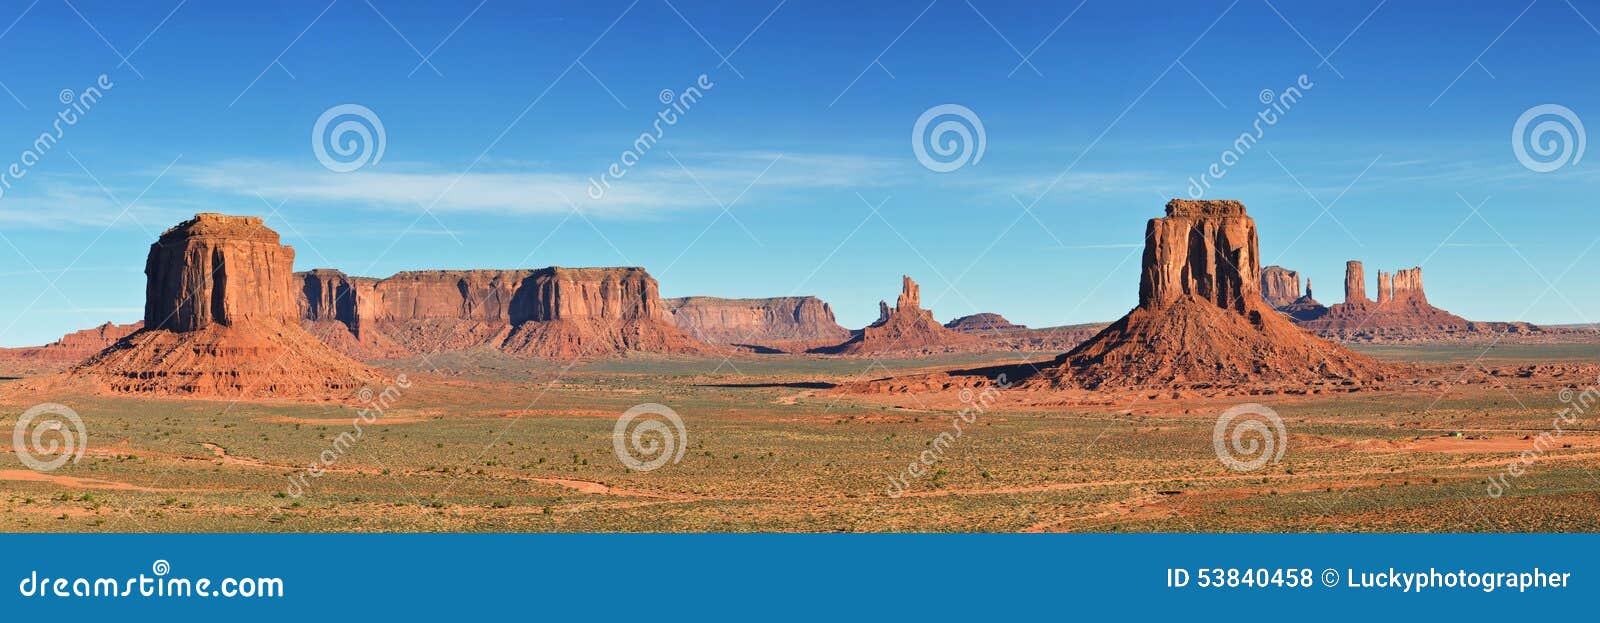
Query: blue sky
806, 139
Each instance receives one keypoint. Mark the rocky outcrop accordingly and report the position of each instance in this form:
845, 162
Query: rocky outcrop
73, 347
907, 328
1305, 308
1280, 286
983, 323
1201, 320
1401, 313
1355, 283
758, 322
221, 321
551, 312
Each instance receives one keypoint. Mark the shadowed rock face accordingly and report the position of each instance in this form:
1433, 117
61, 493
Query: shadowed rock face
1279, 286
1204, 250
1201, 318
550, 312
755, 321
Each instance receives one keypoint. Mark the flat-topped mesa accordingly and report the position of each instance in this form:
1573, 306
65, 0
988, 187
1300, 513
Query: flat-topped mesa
218, 269
757, 322
1279, 286
1202, 249
619, 294
548, 312
1355, 284
983, 323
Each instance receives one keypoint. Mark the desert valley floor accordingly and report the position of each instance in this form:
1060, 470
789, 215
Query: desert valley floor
771, 447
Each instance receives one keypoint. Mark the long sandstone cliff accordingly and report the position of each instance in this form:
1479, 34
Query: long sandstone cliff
766, 322
550, 312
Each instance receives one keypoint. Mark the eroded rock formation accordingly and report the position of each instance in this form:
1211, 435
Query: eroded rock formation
1280, 286
908, 328
1401, 313
1201, 320
221, 321
768, 322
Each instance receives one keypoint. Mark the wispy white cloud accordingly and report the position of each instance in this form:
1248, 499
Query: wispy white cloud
641, 193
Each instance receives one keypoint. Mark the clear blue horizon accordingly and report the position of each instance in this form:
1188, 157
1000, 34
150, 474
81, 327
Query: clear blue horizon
794, 172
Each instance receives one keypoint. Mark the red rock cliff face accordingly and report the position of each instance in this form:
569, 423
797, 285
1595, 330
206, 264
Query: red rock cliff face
1204, 250
551, 312
756, 321
1355, 283
1201, 320
218, 269
1280, 286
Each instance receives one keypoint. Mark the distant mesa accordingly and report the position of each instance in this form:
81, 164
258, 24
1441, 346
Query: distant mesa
1305, 308
983, 323
1280, 286
220, 321
556, 312
76, 346
1201, 320
780, 323
906, 328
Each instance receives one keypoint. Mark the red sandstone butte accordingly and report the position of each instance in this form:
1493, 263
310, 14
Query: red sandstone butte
1201, 320
907, 328
221, 321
